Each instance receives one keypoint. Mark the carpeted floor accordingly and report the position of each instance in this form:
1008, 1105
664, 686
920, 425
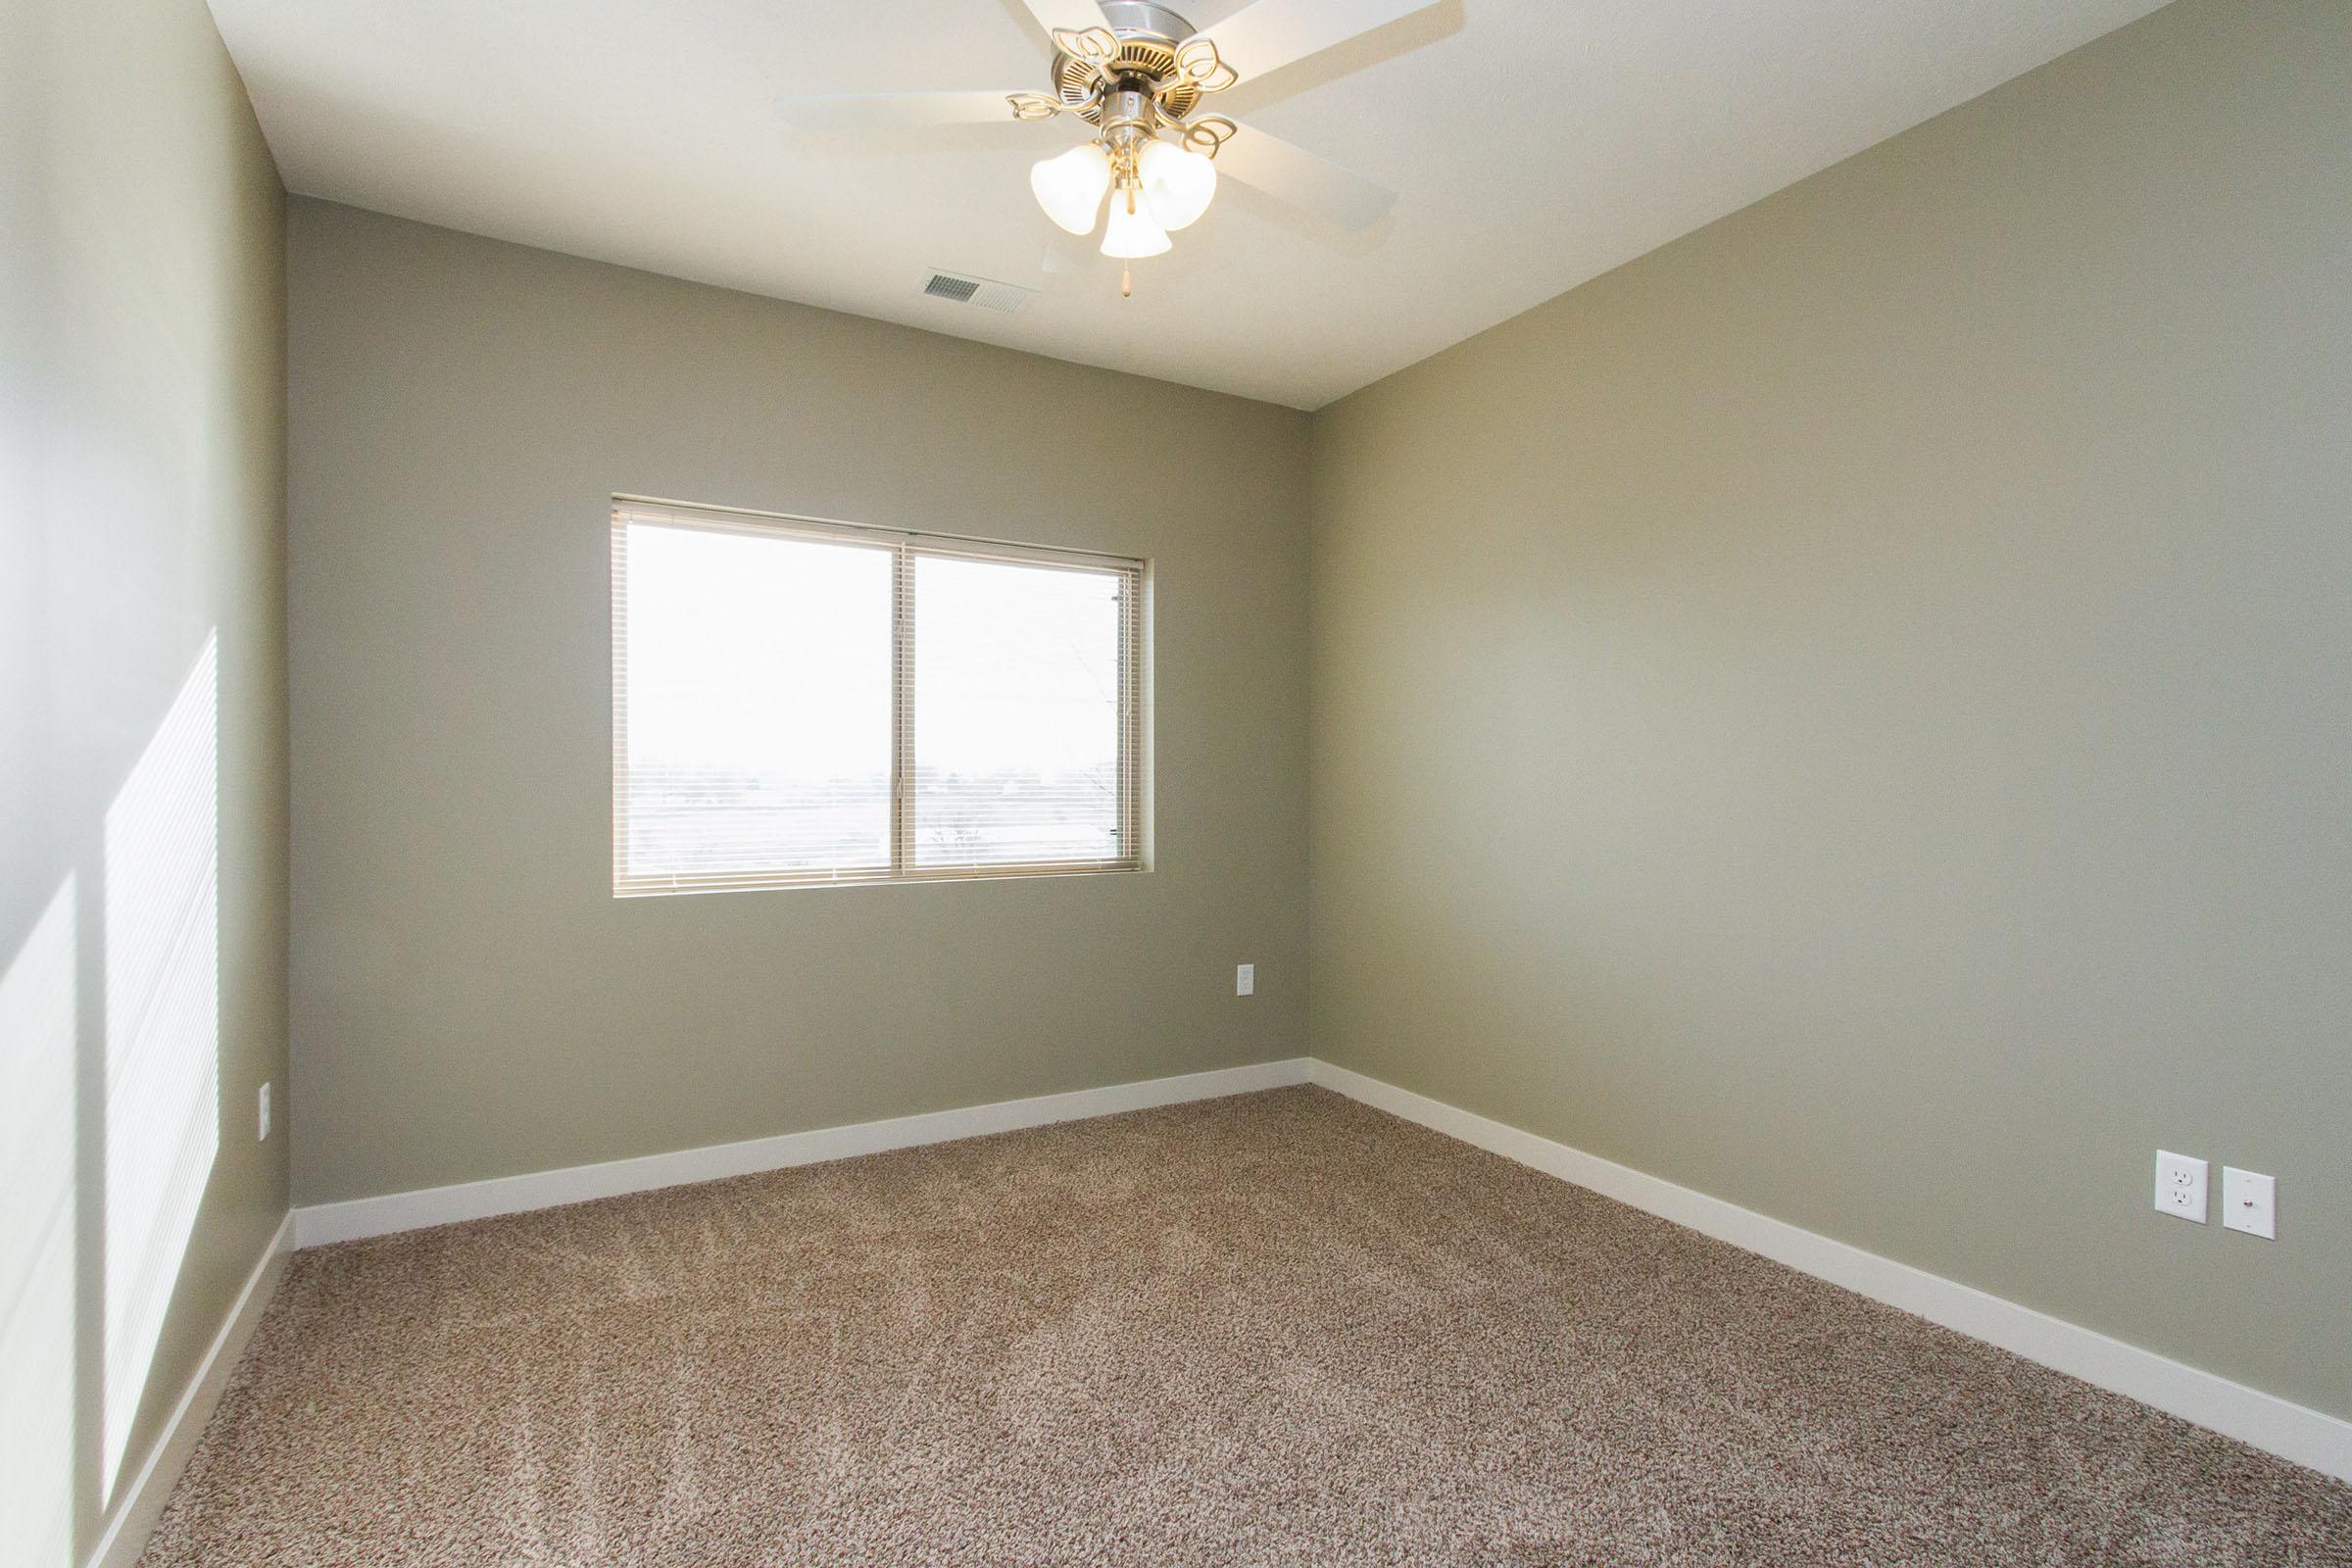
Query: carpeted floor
1279, 1329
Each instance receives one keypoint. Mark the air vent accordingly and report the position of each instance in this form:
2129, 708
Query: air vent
1007, 297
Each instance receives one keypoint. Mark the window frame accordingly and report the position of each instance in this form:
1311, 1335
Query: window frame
905, 547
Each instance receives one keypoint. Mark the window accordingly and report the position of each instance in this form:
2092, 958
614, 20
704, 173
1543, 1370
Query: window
798, 702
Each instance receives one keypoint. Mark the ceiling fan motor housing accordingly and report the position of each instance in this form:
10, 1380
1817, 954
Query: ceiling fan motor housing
1144, 19
1145, 61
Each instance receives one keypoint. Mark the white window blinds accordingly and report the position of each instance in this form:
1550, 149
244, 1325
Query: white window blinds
799, 702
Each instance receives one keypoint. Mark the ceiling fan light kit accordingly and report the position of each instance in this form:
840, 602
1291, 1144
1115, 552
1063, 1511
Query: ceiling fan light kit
1070, 187
1139, 80
1177, 183
1137, 71
1132, 234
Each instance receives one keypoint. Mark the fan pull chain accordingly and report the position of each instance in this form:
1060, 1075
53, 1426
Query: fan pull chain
1127, 267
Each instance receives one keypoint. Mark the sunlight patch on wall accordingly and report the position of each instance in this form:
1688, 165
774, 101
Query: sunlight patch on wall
36, 1240
162, 1032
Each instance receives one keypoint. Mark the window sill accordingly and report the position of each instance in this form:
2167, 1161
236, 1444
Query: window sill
672, 887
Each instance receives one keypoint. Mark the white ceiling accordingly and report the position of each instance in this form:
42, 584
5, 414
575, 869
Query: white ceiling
1536, 143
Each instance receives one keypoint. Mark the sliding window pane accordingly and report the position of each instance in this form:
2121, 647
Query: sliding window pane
757, 704
1017, 714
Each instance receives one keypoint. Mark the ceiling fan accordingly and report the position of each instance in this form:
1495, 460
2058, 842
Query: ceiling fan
1137, 72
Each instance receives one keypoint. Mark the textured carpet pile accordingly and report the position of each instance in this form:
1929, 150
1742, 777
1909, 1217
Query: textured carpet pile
1276, 1329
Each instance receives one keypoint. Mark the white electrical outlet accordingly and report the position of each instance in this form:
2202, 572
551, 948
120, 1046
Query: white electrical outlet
1244, 979
263, 1135
2251, 1202
2179, 1186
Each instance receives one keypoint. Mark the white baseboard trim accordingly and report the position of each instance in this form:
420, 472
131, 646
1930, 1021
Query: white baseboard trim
140, 1503
2264, 1420
322, 1224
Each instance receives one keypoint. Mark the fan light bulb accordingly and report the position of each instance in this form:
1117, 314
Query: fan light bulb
1178, 183
1130, 235
1070, 187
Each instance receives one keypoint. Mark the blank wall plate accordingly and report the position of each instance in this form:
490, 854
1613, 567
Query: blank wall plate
2179, 1186
2251, 1202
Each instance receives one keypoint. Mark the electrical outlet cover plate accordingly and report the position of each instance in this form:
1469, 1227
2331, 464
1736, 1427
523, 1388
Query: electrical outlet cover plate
1244, 979
2251, 1202
2179, 1186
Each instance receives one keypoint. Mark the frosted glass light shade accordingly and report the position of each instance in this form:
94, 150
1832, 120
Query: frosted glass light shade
1070, 187
1129, 235
1178, 183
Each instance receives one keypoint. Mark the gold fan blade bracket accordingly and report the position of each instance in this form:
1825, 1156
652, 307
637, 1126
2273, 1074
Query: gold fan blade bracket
1033, 106
1199, 64
1205, 135
1084, 62
1092, 46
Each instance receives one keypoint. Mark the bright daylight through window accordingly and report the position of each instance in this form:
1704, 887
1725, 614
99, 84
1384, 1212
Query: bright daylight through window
799, 702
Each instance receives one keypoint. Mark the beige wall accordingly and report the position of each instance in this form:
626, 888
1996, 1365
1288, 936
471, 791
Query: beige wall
1849, 711
141, 428
470, 1000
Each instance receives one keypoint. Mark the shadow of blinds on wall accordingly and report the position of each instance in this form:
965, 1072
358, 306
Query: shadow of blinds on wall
162, 1032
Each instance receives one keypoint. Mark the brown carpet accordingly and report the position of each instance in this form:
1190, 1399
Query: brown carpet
1280, 1328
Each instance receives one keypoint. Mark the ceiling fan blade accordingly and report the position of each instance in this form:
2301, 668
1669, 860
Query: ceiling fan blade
1075, 15
887, 111
1268, 35
1301, 178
